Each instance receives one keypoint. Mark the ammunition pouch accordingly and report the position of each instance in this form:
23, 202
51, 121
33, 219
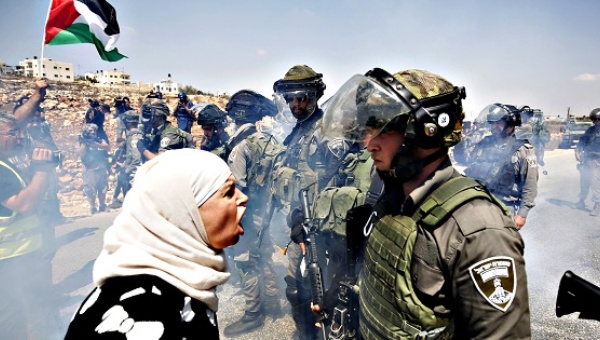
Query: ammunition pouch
332, 205
288, 182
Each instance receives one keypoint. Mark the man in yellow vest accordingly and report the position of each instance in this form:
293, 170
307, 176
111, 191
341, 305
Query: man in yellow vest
26, 299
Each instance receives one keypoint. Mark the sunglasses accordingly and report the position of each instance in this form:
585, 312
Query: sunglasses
298, 97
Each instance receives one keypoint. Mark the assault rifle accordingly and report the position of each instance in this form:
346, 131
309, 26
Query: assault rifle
344, 322
577, 295
314, 271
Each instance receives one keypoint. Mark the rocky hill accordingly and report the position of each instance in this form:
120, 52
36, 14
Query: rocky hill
65, 106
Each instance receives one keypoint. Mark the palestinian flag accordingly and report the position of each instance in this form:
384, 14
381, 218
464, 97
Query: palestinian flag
84, 21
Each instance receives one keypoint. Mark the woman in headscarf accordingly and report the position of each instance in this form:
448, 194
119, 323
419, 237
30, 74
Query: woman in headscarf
162, 258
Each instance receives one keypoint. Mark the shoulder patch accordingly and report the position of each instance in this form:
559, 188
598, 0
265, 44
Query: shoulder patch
164, 142
496, 280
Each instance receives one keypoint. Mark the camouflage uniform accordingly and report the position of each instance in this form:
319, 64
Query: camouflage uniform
253, 259
508, 169
589, 147
303, 166
169, 137
250, 154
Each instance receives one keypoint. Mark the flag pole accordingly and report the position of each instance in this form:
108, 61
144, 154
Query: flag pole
41, 64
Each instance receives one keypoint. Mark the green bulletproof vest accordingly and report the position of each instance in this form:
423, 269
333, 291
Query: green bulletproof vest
389, 306
332, 203
265, 151
294, 173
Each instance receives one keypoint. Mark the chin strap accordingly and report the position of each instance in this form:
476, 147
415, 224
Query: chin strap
407, 167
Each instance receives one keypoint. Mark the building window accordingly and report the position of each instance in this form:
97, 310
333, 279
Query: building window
67, 69
68, 77
56, 68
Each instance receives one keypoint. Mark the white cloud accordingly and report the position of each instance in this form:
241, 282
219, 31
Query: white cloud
588, 77
261, 52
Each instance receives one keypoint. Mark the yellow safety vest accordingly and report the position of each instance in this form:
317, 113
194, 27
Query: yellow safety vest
19, 234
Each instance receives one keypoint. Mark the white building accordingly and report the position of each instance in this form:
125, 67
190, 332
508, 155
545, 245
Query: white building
51, 69
111, 77
167, 86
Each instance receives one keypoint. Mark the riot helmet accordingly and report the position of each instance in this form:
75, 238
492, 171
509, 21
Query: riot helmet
247, 106
595, 114
210, 114
131, 117
303, 84
182, 95
154, 113
500, 112
497, 112
425, 106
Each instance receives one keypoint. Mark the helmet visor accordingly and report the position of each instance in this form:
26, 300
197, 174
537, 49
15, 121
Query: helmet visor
360, 103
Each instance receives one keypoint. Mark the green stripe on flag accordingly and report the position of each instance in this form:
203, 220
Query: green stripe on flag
80, 33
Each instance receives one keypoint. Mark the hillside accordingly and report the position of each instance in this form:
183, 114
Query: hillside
65, 106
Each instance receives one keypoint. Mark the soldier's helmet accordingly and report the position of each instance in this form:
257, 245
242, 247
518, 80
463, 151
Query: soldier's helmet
301, 82
181, 95
497, 112
247, 106
154, 107
210, 114
131, 117
424, 105
595, 114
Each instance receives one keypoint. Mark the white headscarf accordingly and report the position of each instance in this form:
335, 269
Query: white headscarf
160, 231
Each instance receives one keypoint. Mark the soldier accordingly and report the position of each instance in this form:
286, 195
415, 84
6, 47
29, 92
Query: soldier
540, 136
213, 122
133, 157
302, 166
505, 164
440, 240
588, 153
164, 135
93, 151
250, 157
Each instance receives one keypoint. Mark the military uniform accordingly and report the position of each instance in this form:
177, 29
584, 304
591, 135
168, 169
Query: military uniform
464, 277
304, 156
508, 169
169, 137
589, 147
253, 253
133, 157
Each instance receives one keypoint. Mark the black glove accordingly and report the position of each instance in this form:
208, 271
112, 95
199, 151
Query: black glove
142, 145
297, 233
295, 220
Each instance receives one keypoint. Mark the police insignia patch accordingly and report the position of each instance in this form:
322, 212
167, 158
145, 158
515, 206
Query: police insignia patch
338, 147
165, 142
495, 279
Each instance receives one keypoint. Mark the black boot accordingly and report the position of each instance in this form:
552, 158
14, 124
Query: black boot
248, 322
271, 306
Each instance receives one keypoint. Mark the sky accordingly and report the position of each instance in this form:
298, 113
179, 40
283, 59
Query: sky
541, 53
